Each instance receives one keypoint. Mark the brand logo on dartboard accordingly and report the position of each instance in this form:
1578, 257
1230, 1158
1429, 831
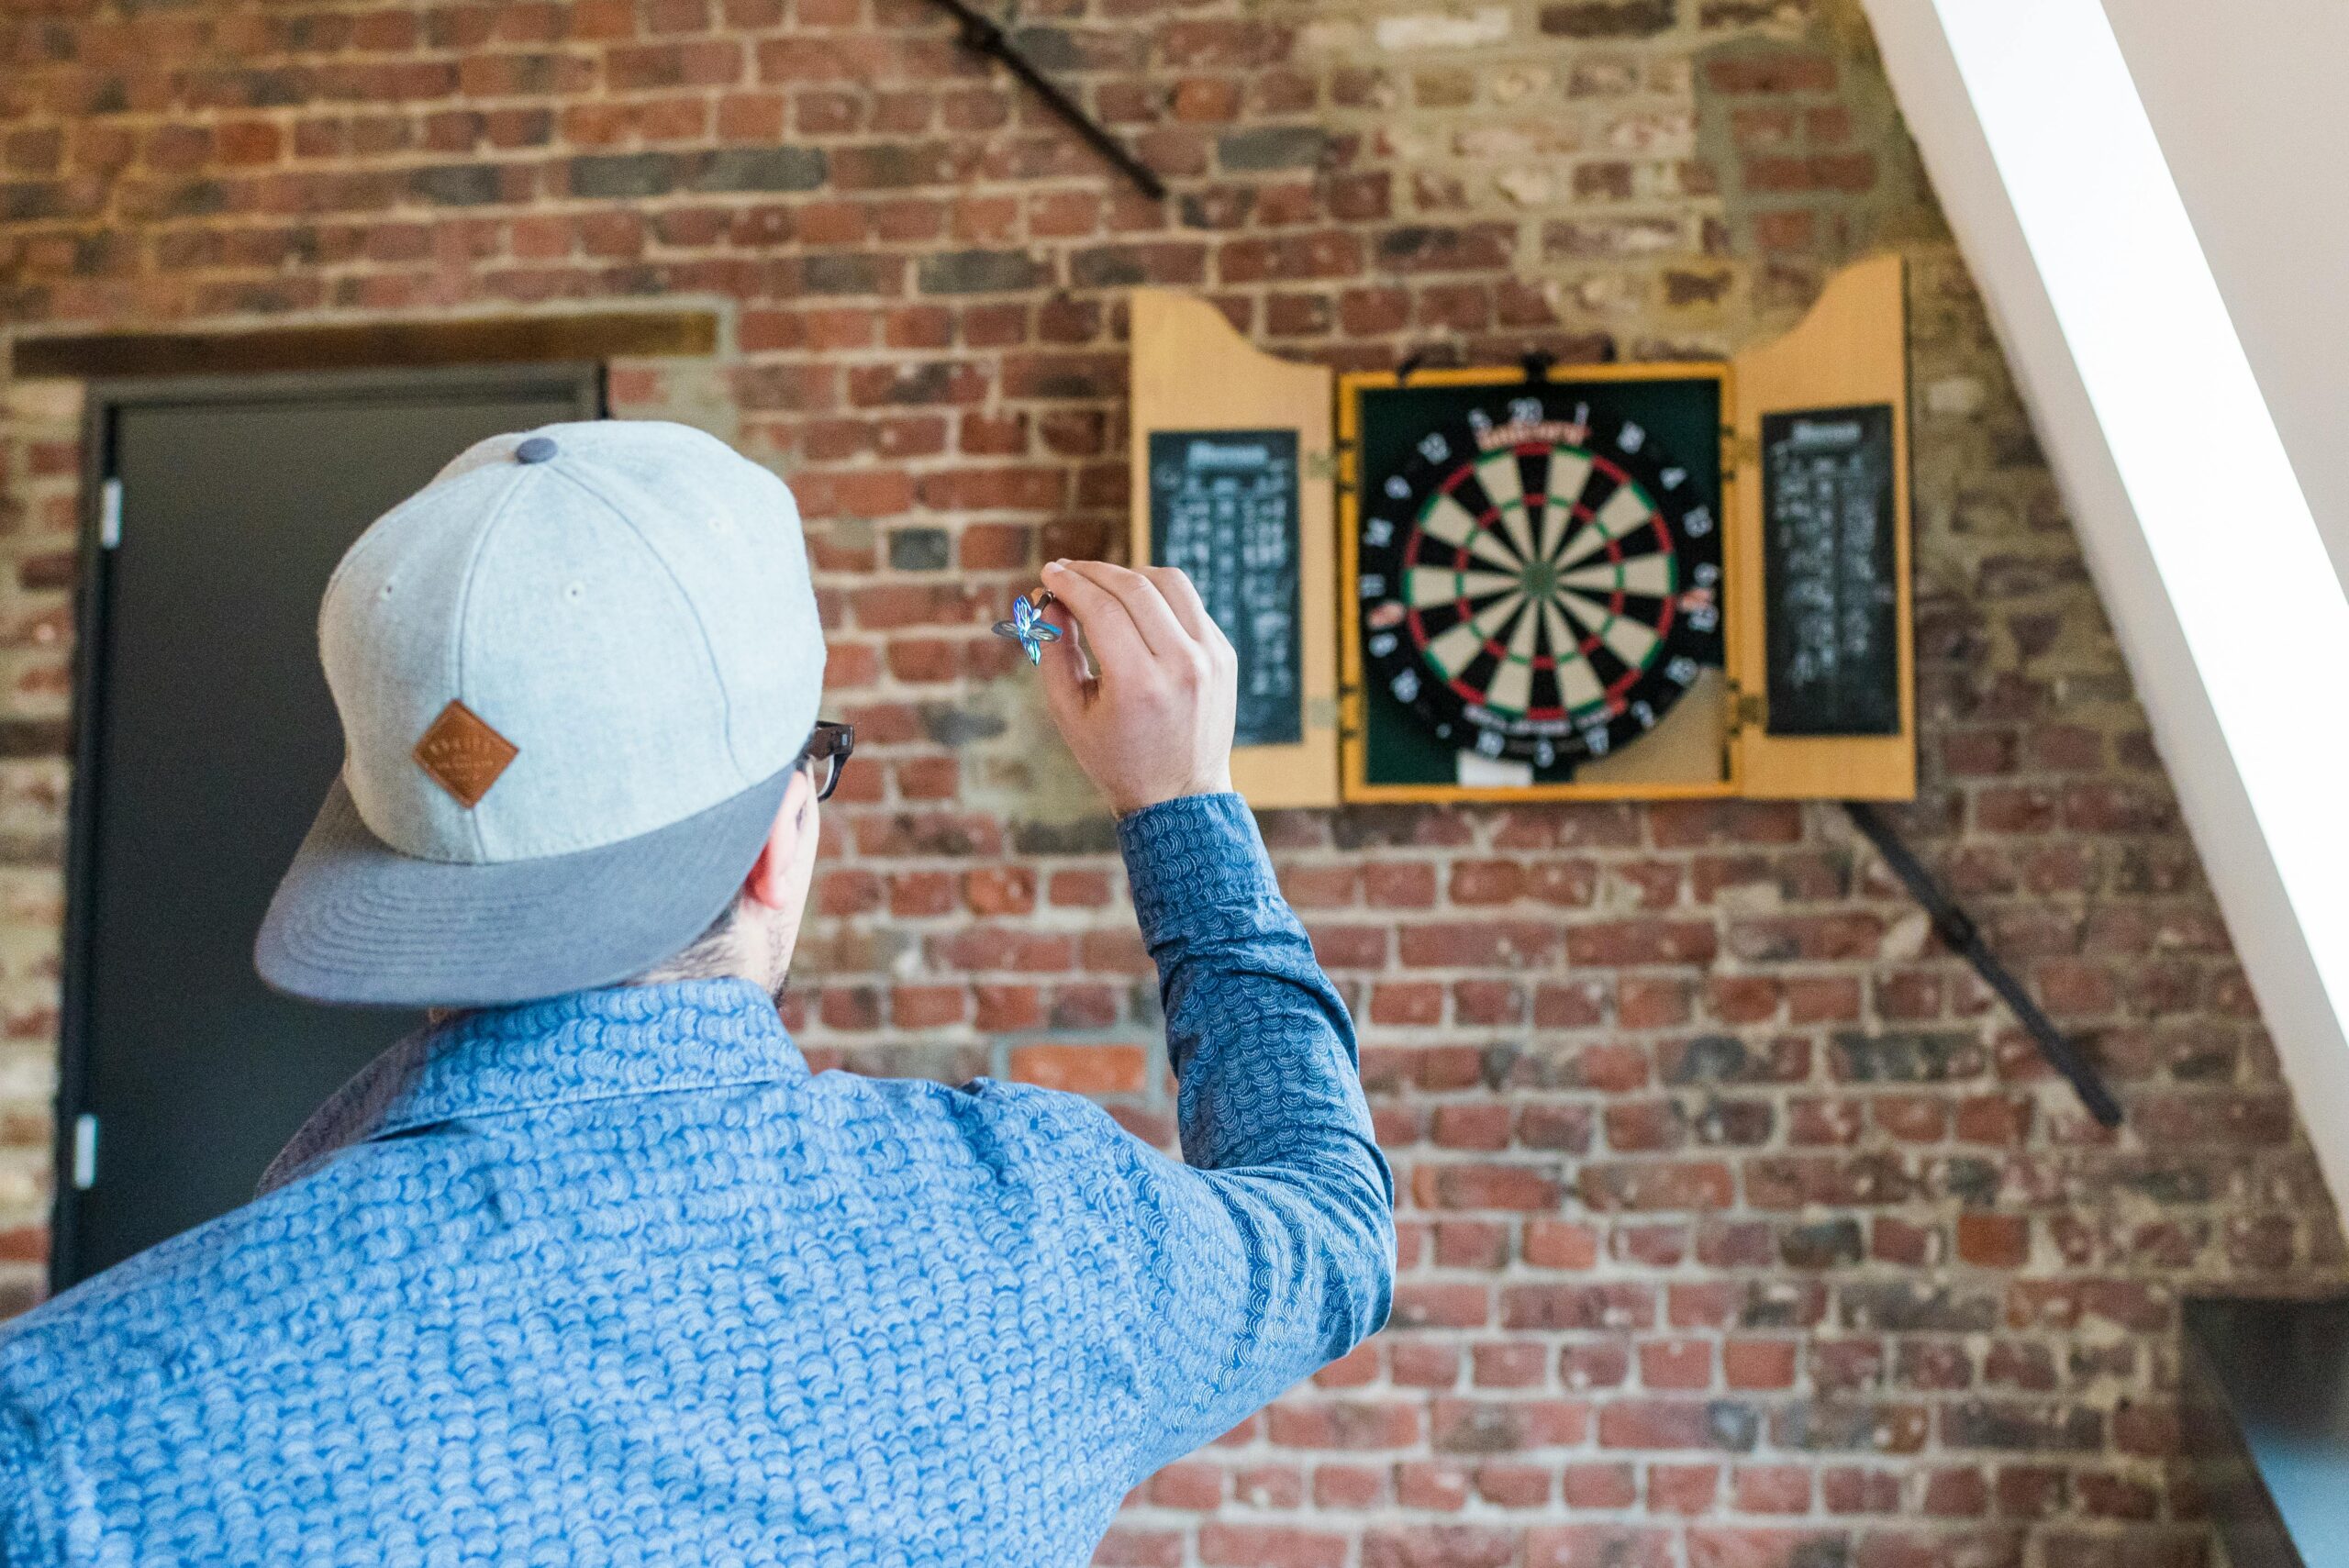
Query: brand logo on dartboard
1544, 432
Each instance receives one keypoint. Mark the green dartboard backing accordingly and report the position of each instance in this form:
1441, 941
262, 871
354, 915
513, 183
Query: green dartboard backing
1682, 418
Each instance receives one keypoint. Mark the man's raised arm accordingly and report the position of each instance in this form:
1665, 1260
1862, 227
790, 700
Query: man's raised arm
1272, 1250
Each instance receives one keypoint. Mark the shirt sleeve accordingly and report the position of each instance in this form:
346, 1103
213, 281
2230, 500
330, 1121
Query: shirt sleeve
1270, 1251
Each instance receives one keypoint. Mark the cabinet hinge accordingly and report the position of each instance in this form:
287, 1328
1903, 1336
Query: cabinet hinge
1746, 709
1349, 714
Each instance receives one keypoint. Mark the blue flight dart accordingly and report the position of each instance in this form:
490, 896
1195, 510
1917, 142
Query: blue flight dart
1029, 625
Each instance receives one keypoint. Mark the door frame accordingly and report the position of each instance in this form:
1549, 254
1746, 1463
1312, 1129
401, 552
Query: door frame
105, 400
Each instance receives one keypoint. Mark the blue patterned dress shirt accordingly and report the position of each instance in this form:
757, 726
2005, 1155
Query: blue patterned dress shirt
613, 1279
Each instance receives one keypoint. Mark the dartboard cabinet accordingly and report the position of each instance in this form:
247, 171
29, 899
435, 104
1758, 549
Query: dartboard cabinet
1542, 581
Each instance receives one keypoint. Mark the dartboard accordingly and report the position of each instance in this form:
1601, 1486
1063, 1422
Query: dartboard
1539, 581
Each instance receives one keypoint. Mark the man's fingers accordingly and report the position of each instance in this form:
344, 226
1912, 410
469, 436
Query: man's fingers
1068, 682
1100, 614
1182, 596
1167, 637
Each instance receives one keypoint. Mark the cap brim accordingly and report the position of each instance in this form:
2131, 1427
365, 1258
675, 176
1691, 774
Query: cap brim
356, 921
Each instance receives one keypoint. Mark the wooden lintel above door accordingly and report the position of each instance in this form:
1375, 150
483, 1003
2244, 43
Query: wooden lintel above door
373, 345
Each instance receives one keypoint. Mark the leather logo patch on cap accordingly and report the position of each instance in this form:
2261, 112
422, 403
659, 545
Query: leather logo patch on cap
463, 754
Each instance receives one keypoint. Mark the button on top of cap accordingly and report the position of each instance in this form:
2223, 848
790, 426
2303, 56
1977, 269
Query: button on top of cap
537, 449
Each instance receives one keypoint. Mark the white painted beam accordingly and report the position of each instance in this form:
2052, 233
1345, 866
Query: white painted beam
2245, 98
2228, 610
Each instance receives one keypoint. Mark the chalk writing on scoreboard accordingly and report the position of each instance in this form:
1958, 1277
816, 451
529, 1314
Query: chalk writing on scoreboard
1831, 604
1223, 506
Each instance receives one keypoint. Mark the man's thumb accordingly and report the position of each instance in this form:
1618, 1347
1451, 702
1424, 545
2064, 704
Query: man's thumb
1062, 668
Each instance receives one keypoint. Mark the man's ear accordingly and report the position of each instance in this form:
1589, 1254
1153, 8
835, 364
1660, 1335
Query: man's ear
771, 882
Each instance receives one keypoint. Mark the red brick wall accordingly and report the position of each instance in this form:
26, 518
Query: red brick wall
1740, 1228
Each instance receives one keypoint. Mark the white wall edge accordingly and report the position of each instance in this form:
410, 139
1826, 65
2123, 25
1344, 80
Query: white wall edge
2249, 874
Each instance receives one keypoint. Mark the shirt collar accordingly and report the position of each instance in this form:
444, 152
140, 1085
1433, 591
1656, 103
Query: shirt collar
589, 1045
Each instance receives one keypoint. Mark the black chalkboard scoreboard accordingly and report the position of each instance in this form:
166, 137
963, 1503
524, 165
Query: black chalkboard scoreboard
1550, 582
1223, 506
1829, 593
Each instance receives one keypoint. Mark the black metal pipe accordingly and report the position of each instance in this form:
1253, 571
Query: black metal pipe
983, 35
1963, 936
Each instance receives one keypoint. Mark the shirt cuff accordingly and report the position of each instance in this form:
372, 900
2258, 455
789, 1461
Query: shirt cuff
1191, 855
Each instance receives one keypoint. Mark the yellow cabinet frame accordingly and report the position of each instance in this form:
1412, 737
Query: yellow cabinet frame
1191, 371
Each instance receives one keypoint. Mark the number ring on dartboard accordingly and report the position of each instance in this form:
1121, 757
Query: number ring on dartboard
1538, 590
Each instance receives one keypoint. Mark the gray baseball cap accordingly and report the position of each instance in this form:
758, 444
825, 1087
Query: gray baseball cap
574, 675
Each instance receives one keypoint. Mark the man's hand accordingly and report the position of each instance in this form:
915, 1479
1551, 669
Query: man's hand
1154, 722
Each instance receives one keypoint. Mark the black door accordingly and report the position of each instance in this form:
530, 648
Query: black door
207, 741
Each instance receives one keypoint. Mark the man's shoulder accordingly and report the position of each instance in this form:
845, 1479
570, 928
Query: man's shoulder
1045, 1133
129, 1360
1052, 1116
139, 1327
